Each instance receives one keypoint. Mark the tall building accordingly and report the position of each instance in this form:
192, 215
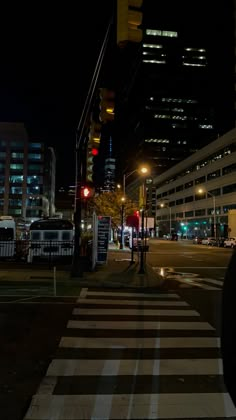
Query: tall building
109, 170
27, 175
178, 94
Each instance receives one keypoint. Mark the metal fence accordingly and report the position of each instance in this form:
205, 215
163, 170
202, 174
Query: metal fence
31, 251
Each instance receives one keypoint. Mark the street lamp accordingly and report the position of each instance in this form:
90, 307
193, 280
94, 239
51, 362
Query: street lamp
202, 191
168, 205
122, 223
142, 170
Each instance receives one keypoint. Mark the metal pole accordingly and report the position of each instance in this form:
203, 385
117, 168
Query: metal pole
214, 207
122, 227
170, 220
124, 185
80, 159
141, 267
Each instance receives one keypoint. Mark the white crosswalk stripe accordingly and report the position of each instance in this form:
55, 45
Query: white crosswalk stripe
112, 364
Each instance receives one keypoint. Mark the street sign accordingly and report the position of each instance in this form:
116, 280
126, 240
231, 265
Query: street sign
103, 233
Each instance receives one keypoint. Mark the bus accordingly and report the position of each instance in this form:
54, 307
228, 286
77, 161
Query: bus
7, 237
51, 238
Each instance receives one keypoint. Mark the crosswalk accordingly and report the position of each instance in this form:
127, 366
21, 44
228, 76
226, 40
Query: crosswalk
128, 355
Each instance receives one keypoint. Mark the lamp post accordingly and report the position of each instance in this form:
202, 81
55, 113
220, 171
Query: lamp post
141, 267
168, 205
142, 170
122, 223
201, 191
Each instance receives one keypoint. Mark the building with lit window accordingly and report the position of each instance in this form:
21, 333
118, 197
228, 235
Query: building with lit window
27, 175
193, 197
179, 92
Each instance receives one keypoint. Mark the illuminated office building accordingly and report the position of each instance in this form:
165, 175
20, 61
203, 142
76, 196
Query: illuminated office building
27, 175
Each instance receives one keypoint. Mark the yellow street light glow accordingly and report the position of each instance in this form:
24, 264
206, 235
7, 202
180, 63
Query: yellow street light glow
144, 170
110, 110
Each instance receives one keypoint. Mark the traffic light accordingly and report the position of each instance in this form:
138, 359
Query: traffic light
87, 192
107, 105
92, 148
129, 18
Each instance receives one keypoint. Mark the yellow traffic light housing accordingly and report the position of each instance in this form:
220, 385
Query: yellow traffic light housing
92, 148
129, 18
107, 105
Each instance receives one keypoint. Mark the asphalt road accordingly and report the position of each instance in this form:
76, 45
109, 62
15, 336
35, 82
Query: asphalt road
31, 327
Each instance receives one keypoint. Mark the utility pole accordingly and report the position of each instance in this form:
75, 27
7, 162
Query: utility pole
80, 159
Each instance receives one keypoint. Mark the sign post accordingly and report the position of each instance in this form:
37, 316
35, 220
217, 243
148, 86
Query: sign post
103, 233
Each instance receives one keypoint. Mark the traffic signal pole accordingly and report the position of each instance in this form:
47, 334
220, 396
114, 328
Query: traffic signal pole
80, 160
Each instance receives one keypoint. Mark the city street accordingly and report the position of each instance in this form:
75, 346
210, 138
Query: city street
112, 354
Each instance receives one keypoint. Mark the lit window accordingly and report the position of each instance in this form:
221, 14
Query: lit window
154, 61
195, 49
35, 145
16, 166
193, 64
34, 156
152, 46
205, 126
16, 155
157, 32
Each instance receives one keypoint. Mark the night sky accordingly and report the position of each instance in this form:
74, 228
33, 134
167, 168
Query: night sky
48, 56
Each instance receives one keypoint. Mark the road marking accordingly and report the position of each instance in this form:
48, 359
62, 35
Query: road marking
170, 406
133, 295
150, 303
144, 342
125, 311
139, 325
81, 367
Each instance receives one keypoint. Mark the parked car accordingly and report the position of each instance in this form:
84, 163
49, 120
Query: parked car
230, 243
209, 241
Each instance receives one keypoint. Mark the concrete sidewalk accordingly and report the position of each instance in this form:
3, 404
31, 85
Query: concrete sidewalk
118, 272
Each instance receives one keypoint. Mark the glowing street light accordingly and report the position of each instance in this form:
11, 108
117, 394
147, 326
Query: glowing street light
203, 191
122, 223
143, 170
167, 205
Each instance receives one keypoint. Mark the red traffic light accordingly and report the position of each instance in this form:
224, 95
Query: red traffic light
94, 151
86, 192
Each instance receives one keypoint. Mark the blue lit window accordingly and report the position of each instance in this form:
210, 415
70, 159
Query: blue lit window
35, 145
13, 202
16, 179
34, 156
17, 155
15, 190
16, 166
34, 180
